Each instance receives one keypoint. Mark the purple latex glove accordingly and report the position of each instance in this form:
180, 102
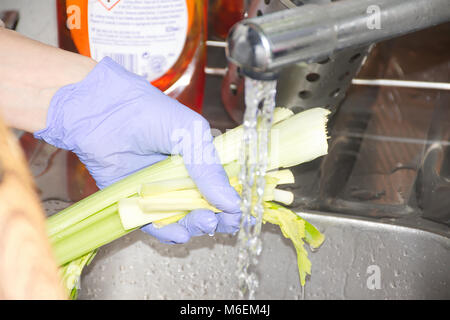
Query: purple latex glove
117, 123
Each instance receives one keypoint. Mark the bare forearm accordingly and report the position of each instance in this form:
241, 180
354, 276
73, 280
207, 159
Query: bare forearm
30, 74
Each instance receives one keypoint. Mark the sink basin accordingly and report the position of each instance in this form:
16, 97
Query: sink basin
411, 264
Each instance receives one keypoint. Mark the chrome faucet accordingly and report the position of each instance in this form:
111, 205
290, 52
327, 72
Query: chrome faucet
262, 46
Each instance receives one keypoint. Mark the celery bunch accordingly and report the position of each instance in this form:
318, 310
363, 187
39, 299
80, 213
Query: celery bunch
164, 193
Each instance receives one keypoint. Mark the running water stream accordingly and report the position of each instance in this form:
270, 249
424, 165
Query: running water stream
260, 103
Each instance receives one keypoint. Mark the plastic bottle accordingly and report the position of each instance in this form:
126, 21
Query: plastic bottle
162, 40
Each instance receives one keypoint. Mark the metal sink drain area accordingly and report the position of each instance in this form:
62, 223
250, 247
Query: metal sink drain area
411, 264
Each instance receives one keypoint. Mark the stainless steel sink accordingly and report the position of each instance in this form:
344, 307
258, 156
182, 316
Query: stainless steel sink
412, 264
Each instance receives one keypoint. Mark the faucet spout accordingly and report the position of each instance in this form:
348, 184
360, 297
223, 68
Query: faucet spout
261, 46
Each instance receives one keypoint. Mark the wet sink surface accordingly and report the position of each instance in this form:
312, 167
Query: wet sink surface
411, 265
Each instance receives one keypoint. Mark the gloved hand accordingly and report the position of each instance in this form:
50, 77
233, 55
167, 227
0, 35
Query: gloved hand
117, 123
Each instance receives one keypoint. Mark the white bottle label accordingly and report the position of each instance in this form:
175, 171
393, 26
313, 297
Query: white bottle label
144, 36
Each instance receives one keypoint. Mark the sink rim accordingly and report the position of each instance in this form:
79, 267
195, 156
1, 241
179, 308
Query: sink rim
409, 224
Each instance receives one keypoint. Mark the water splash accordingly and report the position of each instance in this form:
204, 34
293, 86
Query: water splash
260, 103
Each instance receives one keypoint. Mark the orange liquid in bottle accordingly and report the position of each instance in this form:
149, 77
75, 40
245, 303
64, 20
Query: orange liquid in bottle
225, 14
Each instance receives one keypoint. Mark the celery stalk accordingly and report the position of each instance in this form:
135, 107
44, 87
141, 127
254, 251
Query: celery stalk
227, 146
313, 236
71, 272
293, 227
102, 214
166, 221
89, 238
284, 176
175, 204
157, 187
283, 196
135, 212
171, 168
78, 230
